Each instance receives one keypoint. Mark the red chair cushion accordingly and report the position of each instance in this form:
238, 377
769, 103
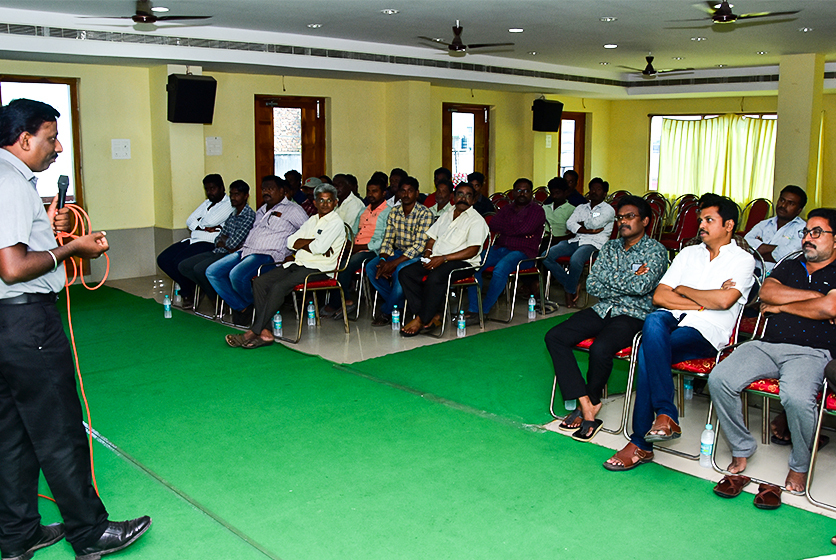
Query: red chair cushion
831, 401
623, 354
315, 285
468, 280
766, 385
701, 365
747, 324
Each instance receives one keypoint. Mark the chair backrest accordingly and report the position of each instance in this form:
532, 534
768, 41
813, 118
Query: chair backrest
541, 194
654, 226
345, 252
614, 196
502, 202
678, 206
430, 200
755, 212
687, 225
496, 196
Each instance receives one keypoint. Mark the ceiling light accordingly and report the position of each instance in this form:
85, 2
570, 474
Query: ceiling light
159, 9
805, 29
762, 52
314, 25
389, 12
698, 38
607, 19
610, 46
603, 63
720, 65
516, 30
532, 53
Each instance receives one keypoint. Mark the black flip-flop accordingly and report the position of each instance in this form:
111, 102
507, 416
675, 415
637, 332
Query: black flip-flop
583, 433
569, 419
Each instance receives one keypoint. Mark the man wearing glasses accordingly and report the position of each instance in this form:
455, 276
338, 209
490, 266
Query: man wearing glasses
800, 339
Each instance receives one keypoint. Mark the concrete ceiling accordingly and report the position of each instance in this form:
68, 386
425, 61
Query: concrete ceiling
568, 33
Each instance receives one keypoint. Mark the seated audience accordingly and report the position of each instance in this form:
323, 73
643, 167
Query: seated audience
294, 186
443, 195
558, 208
575, 198
231, 277
623, 278
307, 189
777, 236
370, 227
317, 245
455, 241
482, 204
592, 224
235, 230
392, 193
205, 225
799, 341
519, 227
700, 297
350, 204
403, 241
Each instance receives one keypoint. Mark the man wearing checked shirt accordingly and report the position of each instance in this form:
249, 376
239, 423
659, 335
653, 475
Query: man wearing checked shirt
403, 241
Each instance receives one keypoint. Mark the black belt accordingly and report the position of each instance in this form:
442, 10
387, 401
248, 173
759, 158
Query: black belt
22, 299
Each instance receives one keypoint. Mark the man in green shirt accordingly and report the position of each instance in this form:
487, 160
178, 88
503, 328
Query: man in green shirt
558, 209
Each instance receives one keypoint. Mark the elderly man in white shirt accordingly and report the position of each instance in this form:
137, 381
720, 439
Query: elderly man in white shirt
455, 241
592, 225
777, 236
205, 224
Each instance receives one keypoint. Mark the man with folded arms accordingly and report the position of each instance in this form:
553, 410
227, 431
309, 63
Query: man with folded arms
279, 217
455, 241
701, 296
623, 278
799, 341
317, 245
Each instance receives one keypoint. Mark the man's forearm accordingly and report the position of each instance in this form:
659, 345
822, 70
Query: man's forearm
818, 309
710, 299
775, 293
666, 298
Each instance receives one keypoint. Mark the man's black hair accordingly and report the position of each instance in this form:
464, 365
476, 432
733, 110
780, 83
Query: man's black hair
275, 179
380, 179
443, 171
398, 172
240, 186
571, 172
411, 181
524, 180
448, 183
294, 173
638, 202
24, 115
476, 176
726, 207
828, 214
559, 183
215, 179
797, 191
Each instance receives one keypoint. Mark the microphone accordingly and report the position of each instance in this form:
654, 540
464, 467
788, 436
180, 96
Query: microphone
63, 183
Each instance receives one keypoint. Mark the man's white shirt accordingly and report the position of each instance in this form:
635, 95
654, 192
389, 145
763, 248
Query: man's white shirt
786, 239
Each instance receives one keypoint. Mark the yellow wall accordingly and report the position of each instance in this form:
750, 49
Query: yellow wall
828, 167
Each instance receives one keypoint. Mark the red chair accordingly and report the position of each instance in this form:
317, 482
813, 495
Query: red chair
540, 194
676, 208
755, 212
502, 202
430, 200
496, 196
614, 196
686, 227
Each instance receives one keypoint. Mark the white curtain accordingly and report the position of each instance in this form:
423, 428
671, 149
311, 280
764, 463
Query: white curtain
732, 155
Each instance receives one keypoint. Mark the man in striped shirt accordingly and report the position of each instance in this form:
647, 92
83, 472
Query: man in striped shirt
275, 221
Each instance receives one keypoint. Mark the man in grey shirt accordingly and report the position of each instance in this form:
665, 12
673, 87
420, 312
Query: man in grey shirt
40, 415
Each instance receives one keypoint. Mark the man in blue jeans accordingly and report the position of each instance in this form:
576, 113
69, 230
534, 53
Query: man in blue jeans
701, 295
403, 241
275, 221
592, 224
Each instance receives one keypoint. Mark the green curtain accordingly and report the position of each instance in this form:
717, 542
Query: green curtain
731, 155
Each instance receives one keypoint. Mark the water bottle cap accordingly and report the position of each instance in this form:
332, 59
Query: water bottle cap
394, 307
709, 427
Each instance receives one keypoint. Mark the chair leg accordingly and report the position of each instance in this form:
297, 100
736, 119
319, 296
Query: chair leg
765, 421
345, 315
815, 452
744, 399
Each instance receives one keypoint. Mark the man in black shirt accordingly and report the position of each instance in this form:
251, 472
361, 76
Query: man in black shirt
800, 339
483, 205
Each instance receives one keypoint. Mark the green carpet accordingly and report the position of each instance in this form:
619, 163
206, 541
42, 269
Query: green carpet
310, 461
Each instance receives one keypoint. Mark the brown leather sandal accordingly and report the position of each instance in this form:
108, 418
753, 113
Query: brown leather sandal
630, 457
665, 424
769, 497
730, 486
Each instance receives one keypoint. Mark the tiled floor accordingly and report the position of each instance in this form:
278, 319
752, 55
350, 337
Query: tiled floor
363, 342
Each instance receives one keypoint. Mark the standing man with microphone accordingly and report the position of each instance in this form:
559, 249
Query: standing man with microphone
40, 413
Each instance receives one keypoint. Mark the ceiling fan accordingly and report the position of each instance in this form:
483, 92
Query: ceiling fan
145, 15
650, 72
721, 12
456, 47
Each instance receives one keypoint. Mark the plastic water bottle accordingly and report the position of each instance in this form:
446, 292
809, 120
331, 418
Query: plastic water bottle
570, 404
396, 319
277, 325
178, 299
706, 446
461, 326
311, 314
688, 383
532, 308
167, 306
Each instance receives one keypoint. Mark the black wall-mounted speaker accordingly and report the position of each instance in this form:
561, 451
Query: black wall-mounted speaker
546, 115
191, 99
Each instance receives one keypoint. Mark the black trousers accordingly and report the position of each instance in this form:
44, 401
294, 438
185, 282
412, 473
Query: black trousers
41, 430
425, 297
271, 288
171, 257
611, 335
194, 268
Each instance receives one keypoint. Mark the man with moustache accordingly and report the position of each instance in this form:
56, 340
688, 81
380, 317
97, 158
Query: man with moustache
777, 236
41, 427
799, 341
700, 297
443, 194
403, 241
455, 241
279, 217
519, 227
623, 278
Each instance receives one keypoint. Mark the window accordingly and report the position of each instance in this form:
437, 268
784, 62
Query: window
732, 155
61, 94
464, 144
572, 144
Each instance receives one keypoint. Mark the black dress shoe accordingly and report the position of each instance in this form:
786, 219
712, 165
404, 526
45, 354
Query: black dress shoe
117, 536
45, 536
